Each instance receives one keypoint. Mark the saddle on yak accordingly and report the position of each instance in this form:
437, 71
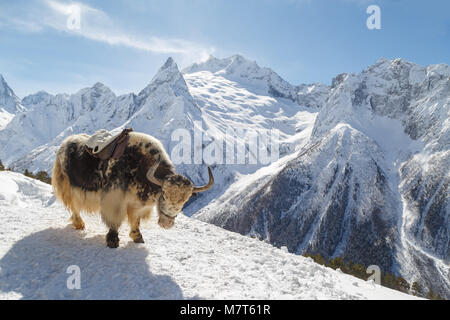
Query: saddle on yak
104, 145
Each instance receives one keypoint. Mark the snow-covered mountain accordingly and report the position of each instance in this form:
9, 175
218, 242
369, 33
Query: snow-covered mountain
235, 93
9, 103
194, 260
212, 100
372, 183
363, 170
249, 74
32, 137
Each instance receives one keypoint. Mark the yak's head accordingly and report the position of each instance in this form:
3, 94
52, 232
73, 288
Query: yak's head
176, 191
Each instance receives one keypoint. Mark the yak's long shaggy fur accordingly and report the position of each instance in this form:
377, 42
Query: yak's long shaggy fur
78, 179
74, 197
115, 188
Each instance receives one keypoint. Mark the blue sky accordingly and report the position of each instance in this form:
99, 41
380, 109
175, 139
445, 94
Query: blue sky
122, 43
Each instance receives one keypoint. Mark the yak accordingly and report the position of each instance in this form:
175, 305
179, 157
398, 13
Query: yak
131, 186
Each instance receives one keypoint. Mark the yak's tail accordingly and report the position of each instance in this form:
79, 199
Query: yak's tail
61, 184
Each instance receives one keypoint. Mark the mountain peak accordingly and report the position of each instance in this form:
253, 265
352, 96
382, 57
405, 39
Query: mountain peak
98, 85
227, 65
210, 57
382, 60
98, 89
4, 88
170, 63
168, 74
383, 65
36, 98
8, 99
238, 58
240, 69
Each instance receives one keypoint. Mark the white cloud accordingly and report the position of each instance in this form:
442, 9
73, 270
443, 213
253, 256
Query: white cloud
96, 25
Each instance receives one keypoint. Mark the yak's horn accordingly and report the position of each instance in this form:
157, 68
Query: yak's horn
151, 174
208, 185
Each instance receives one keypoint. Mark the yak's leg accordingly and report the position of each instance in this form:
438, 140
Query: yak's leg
113, 212
112, 238
77, 222
134, 222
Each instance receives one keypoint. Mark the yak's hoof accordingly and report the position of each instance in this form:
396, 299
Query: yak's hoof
79, 225
112, 239
139, 239
136, 236
165, 222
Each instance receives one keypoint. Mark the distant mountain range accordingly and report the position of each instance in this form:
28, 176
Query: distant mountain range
364, 163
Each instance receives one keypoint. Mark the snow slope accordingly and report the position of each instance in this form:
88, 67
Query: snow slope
194, 260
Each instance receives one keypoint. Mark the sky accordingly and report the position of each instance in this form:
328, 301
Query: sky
122, 43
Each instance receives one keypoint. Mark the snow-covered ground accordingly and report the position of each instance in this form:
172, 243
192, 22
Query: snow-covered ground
194, 260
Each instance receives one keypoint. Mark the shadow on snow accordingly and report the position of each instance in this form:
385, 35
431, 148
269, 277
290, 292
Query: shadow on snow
36, 267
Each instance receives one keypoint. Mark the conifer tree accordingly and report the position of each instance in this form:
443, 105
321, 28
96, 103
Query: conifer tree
316, 257
337, 263
416, 289
359, 271
28, 173
43, 176
402, 285
389, 280
431, 295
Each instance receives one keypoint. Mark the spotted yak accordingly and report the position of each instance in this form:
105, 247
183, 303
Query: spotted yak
143, 178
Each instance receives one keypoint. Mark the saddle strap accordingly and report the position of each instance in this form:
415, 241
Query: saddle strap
115, 149
121, 145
